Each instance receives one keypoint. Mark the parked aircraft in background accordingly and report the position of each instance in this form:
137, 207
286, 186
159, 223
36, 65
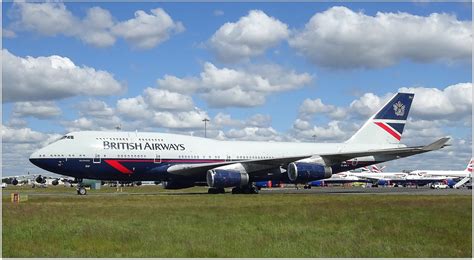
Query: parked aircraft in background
35, 180
184, 161
399, 178
454, 178
338, 178
419, 177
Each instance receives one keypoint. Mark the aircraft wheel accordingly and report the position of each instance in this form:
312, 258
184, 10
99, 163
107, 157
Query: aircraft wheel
212, 191
81, 191
221, 190
254, 190
309, 187
236, 190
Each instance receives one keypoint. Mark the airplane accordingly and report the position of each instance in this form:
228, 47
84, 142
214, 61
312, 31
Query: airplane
180, 161
337, 178
398, 178
451, 176
35, 180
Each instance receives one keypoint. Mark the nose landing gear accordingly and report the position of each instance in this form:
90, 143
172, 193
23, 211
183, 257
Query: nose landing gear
81, 190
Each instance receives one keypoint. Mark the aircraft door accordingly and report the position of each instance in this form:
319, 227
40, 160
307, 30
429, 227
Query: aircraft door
157, 159
96, 159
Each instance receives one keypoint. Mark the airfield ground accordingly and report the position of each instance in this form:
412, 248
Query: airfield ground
321, 222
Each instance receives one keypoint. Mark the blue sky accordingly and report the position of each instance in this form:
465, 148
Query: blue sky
369, 50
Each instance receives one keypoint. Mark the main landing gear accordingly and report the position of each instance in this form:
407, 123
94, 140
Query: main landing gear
245, 190
215, 190
237, 190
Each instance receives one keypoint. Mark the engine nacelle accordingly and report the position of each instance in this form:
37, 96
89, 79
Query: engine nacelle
174, 185
450, 182
55, 182
218, 178
40, 179
15, 182
300, 172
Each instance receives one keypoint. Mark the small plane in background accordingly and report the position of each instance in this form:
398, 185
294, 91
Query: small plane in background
398, 178
454, 178
181, 161
36, 180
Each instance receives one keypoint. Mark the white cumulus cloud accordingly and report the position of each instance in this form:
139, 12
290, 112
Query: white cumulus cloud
453, 102
248, 37
310, 107
167, 100
95, 108
244, 87
41, 109
145, 31
133, 108
98, 28
342, 38
52, 77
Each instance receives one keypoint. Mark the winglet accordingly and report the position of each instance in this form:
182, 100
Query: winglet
437, 144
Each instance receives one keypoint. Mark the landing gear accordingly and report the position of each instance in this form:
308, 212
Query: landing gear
81, 190
216, 190
307, 187
245, 190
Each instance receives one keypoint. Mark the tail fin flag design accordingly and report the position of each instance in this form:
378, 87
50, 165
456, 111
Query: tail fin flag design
469, 165
376, 169
386, 126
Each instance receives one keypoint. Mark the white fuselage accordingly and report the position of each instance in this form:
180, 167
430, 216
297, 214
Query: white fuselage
131, 155
90, 144
447, 173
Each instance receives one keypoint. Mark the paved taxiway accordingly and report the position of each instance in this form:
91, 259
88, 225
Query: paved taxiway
372, 191
288, 190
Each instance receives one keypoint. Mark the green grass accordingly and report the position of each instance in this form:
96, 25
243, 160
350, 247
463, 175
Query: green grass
279, 225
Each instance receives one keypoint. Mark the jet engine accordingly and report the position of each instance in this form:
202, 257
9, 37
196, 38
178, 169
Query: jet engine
55, 182
174, 185
301, 172
40, 179
218, 178
15, 181
450, 182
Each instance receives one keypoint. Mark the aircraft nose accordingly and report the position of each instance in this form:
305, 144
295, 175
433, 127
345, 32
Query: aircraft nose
35, 158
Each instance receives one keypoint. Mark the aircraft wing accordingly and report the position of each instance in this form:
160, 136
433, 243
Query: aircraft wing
329, 159
192, 169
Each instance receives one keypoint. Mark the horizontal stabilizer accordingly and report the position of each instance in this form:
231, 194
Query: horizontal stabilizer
437, 145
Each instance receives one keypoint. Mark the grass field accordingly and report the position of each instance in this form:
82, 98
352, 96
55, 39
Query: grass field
202, 225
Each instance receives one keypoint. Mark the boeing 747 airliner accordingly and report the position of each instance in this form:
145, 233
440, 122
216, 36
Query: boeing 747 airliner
180, 161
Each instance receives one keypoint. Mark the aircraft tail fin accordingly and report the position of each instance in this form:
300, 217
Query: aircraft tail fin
386, 126
469, 165
376, 169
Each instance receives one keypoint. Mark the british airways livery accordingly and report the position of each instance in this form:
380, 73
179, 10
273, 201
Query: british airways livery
180, 161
